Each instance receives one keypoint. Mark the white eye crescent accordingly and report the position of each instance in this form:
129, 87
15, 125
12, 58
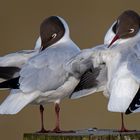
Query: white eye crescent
54, 35
131, 30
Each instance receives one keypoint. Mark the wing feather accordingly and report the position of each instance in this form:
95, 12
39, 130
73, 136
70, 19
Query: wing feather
45, 71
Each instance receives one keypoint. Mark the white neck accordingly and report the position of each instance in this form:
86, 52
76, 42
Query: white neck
66, 36
109, 35
38, 43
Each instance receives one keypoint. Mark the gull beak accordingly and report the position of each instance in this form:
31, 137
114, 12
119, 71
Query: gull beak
113, 40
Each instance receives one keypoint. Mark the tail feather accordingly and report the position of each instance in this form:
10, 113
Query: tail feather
17, 101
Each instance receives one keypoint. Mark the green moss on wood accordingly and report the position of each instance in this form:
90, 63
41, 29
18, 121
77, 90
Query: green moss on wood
96, 135
47, 137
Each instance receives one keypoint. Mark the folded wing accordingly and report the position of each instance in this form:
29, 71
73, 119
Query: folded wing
91, 79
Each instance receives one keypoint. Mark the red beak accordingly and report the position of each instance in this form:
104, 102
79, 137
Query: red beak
113, 40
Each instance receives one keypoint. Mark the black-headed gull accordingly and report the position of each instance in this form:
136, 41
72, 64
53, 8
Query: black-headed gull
123, 83
115, 66
124, 47
43, 78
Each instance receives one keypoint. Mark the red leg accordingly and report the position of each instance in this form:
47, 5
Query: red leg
57, 126
123, 129
42, 121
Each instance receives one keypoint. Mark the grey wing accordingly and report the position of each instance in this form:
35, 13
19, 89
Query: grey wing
45, 71
17, 59
42, 72
93, 80
88, 79
10, 64
42, 79
78, 64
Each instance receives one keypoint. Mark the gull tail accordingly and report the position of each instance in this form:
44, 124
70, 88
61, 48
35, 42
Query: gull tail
17, 101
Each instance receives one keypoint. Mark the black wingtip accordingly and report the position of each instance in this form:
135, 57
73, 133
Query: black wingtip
70, 95
8, 72
12, 83
88, 80
128, 111
135, 104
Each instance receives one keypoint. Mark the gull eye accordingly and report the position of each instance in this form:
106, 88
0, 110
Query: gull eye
54, 35
131, 30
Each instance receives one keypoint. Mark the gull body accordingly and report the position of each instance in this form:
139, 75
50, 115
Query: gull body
122, 82
120, 74
43, 78
122, 61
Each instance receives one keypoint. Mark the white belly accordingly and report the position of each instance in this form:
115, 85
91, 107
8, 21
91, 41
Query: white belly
57, 95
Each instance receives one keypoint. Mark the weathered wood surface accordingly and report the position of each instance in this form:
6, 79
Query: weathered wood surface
91, 134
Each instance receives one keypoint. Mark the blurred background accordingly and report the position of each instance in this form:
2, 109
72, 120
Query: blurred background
88, 21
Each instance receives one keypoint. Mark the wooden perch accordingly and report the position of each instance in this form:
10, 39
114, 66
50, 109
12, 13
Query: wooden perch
91, 134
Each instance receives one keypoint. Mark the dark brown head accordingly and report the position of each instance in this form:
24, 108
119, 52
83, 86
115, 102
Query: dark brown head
51, 31
127, 25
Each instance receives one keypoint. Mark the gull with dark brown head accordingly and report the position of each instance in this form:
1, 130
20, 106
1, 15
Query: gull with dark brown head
114, 66
123, 51
126, 27
43, 78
